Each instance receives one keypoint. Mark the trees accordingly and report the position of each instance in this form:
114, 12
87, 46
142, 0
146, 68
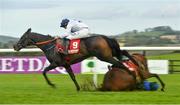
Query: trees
150, 37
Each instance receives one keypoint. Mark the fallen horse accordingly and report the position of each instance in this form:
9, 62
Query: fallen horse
117, 79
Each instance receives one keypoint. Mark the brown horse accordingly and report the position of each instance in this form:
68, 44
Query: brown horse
116, 79
102, 47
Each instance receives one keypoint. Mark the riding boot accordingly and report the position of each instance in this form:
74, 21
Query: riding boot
61, 46
65, 45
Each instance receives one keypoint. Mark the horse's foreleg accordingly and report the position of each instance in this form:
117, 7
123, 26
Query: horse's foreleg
162, 83
50, 67
70, 72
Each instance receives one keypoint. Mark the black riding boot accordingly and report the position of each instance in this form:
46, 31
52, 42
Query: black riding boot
65, 45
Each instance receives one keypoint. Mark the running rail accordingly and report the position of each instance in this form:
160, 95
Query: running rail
122, 48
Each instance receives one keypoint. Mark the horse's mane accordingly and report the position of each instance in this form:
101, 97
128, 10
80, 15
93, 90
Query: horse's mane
40, 36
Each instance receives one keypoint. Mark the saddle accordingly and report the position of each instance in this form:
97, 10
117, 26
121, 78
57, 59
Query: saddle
66, 46
133, 68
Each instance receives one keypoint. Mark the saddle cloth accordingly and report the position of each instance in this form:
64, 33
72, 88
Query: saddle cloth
131, 66
74, 46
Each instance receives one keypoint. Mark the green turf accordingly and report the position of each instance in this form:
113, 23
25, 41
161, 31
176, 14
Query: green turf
171, 56
32, 89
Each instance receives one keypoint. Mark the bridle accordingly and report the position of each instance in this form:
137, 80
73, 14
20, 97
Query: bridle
46, 42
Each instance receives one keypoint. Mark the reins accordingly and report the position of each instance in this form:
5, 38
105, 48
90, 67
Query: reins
46, 42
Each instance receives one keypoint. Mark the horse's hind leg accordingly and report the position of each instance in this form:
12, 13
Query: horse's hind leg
114, 62
162, 83
50, 67
117, 64
70, 72
125, 53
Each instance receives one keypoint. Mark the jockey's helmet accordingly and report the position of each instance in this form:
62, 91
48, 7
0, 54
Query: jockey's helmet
64, 23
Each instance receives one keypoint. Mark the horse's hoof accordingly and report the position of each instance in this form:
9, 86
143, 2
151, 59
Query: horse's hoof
53, 85
78, 89
162, 90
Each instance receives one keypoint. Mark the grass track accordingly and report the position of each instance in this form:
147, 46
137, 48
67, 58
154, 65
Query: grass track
32, 89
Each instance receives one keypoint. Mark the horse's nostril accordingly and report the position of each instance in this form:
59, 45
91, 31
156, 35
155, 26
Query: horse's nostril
14, 46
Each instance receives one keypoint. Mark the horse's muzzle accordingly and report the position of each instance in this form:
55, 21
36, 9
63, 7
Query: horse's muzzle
17, 47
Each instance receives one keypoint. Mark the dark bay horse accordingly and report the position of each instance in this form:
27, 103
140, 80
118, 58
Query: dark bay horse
102, 47
117, 79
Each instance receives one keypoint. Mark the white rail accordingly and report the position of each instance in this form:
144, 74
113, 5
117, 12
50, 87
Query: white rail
150, 48
122, 48
23, 50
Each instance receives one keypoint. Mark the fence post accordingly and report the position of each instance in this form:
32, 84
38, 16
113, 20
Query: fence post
171, 66
144, 52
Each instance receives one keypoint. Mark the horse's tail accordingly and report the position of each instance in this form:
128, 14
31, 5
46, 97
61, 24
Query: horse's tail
115, 47
116, 51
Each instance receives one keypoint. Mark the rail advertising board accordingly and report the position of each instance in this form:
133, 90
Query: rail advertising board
158, 66
94, 66
37, 65
155, 66
30, 65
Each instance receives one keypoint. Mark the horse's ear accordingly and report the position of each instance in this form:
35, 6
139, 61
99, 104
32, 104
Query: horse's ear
29, 30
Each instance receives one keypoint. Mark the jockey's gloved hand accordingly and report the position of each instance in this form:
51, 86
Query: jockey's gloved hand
65, 38
75, 33
64, 35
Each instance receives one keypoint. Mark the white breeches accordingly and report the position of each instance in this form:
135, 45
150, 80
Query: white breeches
79, 34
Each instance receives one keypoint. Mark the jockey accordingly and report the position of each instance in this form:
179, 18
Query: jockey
75, 29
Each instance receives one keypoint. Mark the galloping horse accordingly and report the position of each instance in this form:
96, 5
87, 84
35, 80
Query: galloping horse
116, 79
102, 47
